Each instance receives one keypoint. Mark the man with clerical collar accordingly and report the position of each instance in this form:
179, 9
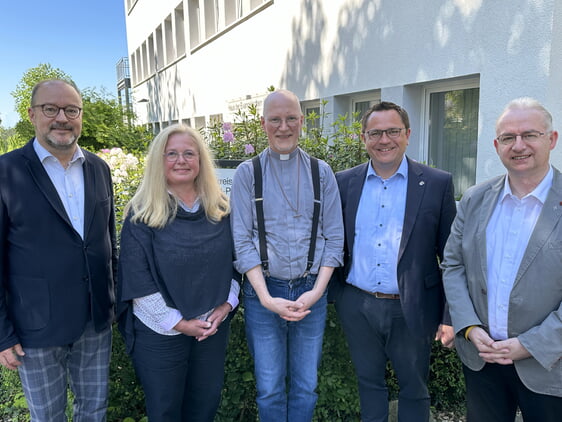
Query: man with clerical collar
285, 291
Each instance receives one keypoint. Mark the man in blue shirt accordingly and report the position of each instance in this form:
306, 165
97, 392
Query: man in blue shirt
397, 215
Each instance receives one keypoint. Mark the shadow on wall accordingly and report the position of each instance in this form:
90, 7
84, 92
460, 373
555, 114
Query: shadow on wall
385, 43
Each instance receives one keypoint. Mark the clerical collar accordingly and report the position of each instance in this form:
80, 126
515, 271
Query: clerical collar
283, 157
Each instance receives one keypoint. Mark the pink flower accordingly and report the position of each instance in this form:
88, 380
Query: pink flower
249, 149
227, 127
228, 137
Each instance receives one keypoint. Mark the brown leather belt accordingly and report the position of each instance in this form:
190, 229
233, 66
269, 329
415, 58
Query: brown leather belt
380, 295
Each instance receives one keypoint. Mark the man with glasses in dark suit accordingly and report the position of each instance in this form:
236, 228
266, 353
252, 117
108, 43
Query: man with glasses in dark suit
58, 254
397, 215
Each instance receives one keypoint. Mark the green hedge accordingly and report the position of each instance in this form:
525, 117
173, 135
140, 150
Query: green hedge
338, 399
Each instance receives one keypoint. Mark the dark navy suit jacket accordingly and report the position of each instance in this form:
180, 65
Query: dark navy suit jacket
52, 282
430, 210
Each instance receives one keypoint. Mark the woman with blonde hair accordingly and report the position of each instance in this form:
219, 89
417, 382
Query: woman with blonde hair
177, 286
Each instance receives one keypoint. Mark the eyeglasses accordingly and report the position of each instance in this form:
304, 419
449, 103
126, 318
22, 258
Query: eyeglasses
173, 156
51, 110
376, 134
291, 121
529, 137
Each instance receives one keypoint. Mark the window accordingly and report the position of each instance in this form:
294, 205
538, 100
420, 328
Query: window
169, 40
194, 22
151, 56
209, 18
159, 57
134, 67
199, 122
312, 117
211, 14
360, 103
453, 133
144, 55
179, 30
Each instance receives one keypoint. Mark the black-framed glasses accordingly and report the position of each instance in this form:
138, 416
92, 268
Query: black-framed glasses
173, 156
51, 110
376, 134
528, 137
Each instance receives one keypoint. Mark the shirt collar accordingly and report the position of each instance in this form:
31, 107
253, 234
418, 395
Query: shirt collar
540, 192
402, 170
43, 154
283, 157
185, 207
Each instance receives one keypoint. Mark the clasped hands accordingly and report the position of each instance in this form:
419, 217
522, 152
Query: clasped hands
504, 352
203, 329
292, 310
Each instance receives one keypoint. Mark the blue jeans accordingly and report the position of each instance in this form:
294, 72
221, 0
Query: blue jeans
286, 354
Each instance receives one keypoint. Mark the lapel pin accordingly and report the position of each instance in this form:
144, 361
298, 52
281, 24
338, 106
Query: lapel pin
423, 183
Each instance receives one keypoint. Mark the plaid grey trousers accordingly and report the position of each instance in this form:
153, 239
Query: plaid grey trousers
45, 374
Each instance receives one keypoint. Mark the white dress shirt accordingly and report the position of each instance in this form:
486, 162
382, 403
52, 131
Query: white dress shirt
69, 183
507, 235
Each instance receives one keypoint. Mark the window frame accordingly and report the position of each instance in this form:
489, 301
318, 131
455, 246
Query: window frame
432, 88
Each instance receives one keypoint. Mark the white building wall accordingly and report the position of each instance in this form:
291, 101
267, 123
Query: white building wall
332, 49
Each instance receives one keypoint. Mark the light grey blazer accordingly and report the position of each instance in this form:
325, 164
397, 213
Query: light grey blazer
535, 305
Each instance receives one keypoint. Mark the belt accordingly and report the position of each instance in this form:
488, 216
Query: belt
380, 295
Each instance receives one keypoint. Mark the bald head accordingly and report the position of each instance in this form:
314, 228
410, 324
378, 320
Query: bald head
280, 95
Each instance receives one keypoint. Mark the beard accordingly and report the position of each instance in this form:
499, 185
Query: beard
69, 144
61, 145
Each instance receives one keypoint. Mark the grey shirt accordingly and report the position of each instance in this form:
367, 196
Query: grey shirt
288, 205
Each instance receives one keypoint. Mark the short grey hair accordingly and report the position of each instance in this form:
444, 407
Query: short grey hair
527, 103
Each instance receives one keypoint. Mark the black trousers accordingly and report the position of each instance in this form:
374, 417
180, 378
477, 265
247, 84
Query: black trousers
182, 378
494, 393
376, 332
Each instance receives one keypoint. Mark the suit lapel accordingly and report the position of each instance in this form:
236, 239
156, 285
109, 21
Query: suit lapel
487, 207
43, 181
354, 189
548, 219
414, 195
89, 192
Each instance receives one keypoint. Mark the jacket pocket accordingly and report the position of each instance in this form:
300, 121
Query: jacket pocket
29, 302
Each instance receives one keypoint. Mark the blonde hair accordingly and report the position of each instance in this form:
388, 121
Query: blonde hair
153, 205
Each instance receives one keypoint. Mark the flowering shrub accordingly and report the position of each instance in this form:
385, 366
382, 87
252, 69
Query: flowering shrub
119, 162
126, 172
237, 140
243, 138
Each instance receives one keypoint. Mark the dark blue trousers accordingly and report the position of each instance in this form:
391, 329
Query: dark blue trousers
376, 332
182, 378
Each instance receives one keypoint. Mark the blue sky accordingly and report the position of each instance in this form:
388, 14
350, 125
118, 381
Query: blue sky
83, 38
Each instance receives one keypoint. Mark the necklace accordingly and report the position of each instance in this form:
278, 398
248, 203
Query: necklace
294, 208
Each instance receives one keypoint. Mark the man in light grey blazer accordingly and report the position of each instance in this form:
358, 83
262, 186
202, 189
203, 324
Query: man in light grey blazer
503, 276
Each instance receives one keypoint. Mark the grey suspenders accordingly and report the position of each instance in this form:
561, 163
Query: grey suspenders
258, 187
